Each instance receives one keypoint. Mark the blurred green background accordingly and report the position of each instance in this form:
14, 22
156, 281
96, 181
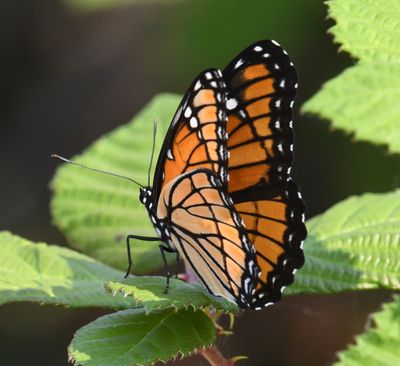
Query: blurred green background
68, 76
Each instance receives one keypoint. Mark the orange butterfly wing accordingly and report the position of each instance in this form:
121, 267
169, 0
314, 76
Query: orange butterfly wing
261, 84
257, 226
208, 233
197, 135
193, 215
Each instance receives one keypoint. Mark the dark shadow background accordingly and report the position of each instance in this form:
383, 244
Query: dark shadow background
67, 78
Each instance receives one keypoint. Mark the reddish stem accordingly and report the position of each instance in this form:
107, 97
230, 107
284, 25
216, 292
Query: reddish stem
215, 358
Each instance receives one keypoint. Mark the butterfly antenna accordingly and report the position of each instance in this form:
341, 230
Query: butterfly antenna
93, 169
152, 151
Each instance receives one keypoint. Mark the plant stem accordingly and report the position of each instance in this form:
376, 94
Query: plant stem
215, 358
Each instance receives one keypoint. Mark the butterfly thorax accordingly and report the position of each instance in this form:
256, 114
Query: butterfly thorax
146, 197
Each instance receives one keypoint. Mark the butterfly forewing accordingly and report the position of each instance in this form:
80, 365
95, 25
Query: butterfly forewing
197, 135
208, 233
261, 84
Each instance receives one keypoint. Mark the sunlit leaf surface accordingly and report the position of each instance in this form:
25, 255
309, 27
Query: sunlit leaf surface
353, 245
363, 100
53, 275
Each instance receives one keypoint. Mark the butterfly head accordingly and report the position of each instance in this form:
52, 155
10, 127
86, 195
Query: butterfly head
145, 196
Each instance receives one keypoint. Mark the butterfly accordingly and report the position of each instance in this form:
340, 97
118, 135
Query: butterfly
222, 196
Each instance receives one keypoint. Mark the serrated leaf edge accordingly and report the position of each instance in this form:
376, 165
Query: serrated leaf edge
370, 325
137, 300
140, 302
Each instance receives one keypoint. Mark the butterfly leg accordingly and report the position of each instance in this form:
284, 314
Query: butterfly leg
128, 248
164, 249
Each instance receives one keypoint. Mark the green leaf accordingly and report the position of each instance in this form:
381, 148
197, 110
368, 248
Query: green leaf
53, 275
379, 346
363, 100
354, 245
131, 337
149, 293
367, 29
95, 211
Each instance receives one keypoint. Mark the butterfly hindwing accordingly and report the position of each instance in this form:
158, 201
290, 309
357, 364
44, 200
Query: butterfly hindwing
275, 226
209, 234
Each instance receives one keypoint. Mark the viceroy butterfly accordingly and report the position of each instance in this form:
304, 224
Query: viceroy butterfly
222, 196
